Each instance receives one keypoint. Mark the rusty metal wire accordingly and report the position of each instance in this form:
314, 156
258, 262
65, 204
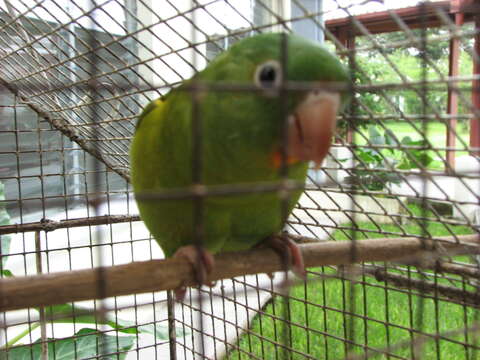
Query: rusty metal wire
74, 76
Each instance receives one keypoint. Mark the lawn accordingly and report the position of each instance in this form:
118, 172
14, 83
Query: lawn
381, 317
435, 133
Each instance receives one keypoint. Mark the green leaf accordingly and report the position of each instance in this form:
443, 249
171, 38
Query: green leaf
423, 158
86, 343
418, 143
159, 331
393, 178
375, 138
65, 313
6, 273
404, 164
366, 156
406, 140
374, 134
390, 140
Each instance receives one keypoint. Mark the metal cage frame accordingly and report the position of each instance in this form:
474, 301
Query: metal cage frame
388, 226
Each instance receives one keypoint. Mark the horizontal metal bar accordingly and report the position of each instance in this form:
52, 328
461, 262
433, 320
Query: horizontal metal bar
51, 225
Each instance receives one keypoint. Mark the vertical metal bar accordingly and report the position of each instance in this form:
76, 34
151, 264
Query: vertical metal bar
41, 310
224, 313
283, 95
212, 318
38, 247
260, 317
419, 323
132, 101
275, 331
452, 105
245, 294
387, 315
172, 332
95, 200
324, 313
306, 314
197, 173
475, 121
351, 138
350, 44
475, 139
235, 303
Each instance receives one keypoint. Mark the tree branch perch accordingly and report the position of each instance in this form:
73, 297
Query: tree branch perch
158, 275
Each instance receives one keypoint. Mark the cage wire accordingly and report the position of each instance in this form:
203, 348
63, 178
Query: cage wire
404, 168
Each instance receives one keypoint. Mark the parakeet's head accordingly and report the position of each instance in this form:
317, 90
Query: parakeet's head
255, 108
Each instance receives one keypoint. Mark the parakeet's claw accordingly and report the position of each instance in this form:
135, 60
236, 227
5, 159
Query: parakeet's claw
202, 262
290, 253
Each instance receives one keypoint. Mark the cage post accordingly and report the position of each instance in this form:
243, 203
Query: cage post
346, 36
475, 121
306, 27
172, 338
452, 105
264, 13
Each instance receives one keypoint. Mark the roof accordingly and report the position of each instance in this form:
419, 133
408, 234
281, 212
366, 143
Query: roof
420, 15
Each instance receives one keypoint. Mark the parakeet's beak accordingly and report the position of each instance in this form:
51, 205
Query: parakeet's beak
311, 126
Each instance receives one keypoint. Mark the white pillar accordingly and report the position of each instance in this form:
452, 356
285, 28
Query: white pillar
307, 27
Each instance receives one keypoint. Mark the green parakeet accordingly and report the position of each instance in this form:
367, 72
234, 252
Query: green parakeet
241, 133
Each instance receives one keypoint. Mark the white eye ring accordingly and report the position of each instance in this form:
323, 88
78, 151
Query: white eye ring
268, 75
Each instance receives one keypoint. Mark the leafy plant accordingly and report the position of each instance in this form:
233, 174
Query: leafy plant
65, 313
86, 343
379, 164
416, 156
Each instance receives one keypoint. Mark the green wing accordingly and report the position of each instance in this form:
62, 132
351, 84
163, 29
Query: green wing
148, 109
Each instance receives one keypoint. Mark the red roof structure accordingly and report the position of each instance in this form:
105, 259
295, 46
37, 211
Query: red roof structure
426, 15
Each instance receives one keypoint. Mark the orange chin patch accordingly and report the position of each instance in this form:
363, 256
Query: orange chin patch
277, 160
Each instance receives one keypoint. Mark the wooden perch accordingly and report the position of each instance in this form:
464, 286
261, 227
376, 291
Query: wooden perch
157, 275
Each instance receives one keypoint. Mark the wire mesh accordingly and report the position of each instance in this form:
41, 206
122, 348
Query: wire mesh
74, 76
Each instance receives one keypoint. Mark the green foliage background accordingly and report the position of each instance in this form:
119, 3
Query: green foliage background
376, 62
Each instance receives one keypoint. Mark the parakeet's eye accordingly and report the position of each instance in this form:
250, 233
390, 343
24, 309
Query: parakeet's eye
268, 75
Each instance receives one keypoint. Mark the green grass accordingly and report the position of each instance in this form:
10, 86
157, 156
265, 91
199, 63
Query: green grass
435, 133
381, 317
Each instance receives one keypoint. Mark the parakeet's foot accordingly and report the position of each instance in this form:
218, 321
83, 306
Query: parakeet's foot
202, 261
290, 253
